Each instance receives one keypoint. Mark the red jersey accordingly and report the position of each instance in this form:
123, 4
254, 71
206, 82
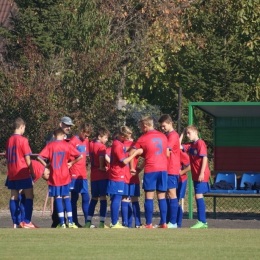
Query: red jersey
17, 147
154, 145
117, 167
97, 150
79, 169
59, 152
184, 162
197, 150
38, 169
174, 158
129, 178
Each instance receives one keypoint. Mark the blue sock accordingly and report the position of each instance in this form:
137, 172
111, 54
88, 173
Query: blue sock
91, 209
124, 213
136, 211
85, 205
60, 210
13, 205
179, 216
68, 209
163, 210
103, 210
173, 210
74, 200
168, 215
148, 206
201, 209
28, 210
114, 208
22, 207
130, 215
18, 220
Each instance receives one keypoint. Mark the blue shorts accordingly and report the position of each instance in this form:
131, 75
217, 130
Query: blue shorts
20, 184
79, 186
115, 187
155, 181
61, 191
173, 181
131, 190
181, 191
201, 187
99, 188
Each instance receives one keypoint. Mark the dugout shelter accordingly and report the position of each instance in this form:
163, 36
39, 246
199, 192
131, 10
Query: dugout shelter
236, 128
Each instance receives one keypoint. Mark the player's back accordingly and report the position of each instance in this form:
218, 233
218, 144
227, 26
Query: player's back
154, 145
174, 158
17, 147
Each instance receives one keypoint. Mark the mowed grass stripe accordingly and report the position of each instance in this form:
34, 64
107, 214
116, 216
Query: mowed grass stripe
129, 244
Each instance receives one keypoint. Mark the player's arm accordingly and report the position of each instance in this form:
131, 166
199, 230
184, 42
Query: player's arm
203, 167
75, 161
29, 164
41, 161
181, 138
101, 163
133, 153
185, 170
107, 158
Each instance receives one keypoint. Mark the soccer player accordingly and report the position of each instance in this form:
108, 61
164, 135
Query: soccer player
78, 171
181, 191
20, 173
197, 151
117, 171
59, 153
99, 176
130, 204
154, 145
173, 169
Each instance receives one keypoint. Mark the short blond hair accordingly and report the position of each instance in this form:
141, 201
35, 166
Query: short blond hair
192, 127
124, 131
147, 120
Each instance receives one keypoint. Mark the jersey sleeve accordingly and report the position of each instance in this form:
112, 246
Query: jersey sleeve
102, 151
202, 148
119, 152
74, 152
45, 153
26, 148
186, 147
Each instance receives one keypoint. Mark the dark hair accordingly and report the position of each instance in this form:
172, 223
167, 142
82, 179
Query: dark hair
102, 131
86, 128
18, 122
165, 118
58, 131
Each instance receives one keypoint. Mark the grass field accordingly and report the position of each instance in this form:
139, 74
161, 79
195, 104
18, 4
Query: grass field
129, 244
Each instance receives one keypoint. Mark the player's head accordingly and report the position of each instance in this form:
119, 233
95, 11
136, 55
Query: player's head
124, 133
46, 174
65, 124
191, 132
146, 124
102, 135
59, 133
85, 131
19, 125
166, 123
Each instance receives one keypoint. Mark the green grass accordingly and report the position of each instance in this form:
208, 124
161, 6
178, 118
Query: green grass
129, 244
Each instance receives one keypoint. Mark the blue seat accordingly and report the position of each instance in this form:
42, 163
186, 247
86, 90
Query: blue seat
228, 177
250, 177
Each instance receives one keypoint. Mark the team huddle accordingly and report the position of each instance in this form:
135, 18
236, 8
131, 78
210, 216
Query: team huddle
114, 174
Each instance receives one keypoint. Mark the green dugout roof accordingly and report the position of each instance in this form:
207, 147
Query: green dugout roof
228, 109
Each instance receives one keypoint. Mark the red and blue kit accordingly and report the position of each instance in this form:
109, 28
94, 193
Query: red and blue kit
38, 169
97, 150
197, 150
108, 153
154, 145
117, 167
79, 169
184, 162
17, 148
129, 178
174, 158
59, 152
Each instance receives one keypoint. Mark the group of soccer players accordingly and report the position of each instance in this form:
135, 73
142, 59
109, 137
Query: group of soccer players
114, 173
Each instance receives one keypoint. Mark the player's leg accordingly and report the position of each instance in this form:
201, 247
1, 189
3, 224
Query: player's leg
136, 211
102, 186
161, 188
14, 207
181, 191
85, 198
22, 205
74, 199
200, 188
60, 211
125, 203
68, 209
134, 194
